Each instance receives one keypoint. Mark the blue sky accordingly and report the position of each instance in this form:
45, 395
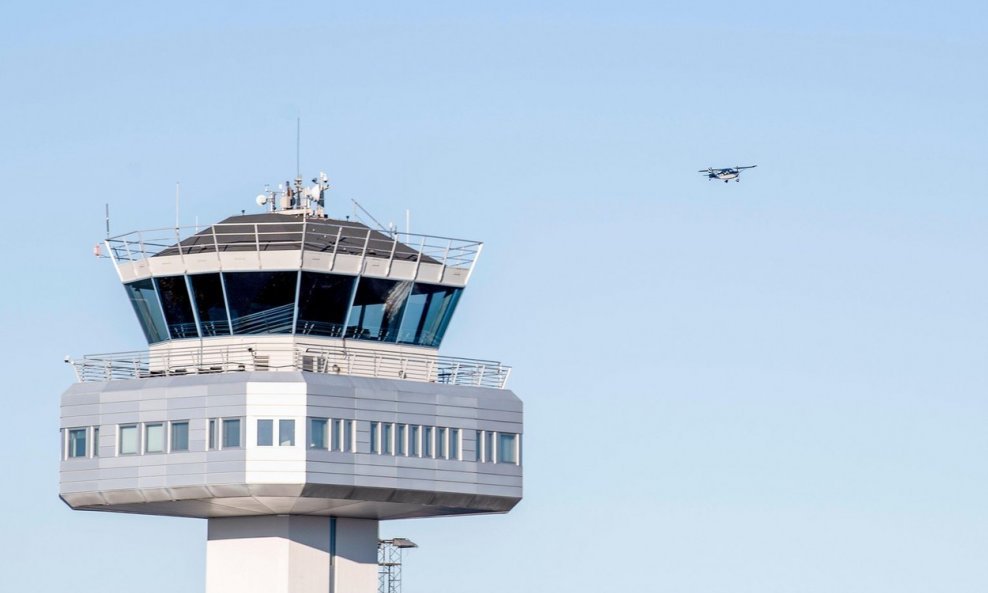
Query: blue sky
773, 385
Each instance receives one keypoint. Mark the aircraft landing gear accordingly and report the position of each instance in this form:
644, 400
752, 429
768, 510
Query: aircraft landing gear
725, 181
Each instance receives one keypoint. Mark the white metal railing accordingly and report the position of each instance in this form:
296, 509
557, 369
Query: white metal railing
361, 362
320, 235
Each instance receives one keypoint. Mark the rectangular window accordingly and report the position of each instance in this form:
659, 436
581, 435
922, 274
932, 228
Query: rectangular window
286, 433
318, 437
454, 443
265, 433
212, 434
77, 442
180, 436
480, 445
96, 441
400, 435
488, 446
348, 436
375, 435
387, 438
427, 450
154, 438
414, 444
507, 448
128, 439
231, 433
441, 443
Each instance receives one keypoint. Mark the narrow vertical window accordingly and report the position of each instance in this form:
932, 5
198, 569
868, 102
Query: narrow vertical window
427, 445
375, 436
402, 433
180, 436
387, 438
454, 443
212, 434
154, 438
489, 446
77, 442
286, 433
128, 439
480, 445
348, 436
442, 444
414, 443
96, 441
231, 432
318, 439
265, 433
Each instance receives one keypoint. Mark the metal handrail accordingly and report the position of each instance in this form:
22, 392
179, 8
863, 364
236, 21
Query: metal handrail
290, 235
361, 362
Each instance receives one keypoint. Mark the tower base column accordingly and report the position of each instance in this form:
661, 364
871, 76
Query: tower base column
291, 554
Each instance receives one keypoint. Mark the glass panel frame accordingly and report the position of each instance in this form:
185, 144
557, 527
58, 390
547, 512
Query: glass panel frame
265, 433
179, 436
286, 432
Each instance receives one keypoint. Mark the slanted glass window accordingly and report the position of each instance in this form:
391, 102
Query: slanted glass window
265, 433
261, 302
208, 292
128, 439
178, 307
322, 303
154, 438
286, 433
318, 437
387, 435
180, 436
454, 443
77, 442
413, 441
231, 432
377, 309
145, 301
375, 436
507, 448
427, 314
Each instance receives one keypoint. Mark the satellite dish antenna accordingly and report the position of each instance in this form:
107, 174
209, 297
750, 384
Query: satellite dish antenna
262, 199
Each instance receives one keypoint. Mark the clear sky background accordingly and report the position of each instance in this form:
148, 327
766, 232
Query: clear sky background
777, 385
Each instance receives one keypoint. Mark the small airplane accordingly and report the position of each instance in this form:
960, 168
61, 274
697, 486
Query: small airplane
727, 174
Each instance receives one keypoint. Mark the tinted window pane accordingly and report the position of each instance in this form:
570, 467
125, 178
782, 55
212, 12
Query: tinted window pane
286, 433
261, 302
322, 303
154, 438
377, 309
454, 443
427, 315
231, 433
374, 436
207, 289
387, 433
427, 441
265, 433
180, 436
145, 301
178, 308
77, 442
506, 450
128, 440
317, 433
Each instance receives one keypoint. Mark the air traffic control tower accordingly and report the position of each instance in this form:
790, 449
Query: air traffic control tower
292, 395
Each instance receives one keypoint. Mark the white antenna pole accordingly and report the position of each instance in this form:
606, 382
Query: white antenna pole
408, 223
107, 220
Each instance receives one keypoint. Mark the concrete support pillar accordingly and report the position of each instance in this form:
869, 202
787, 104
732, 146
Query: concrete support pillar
291, 554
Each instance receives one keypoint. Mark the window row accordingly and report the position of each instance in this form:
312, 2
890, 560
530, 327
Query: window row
131, 439
306, 303
414, 440
331, 434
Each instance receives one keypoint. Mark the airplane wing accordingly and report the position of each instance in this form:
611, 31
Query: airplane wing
748, 167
